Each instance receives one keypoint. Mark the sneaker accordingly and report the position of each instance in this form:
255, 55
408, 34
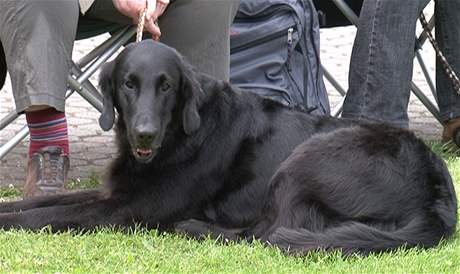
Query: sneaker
46, 172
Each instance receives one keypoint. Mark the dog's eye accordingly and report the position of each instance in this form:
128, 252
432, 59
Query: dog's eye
129, 84
165, 86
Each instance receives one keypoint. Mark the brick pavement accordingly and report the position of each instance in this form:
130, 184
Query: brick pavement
92, 149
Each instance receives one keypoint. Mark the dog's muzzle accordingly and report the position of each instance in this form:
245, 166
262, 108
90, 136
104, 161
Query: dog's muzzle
144, 148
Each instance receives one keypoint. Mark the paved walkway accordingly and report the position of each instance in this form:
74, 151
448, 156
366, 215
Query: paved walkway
92, 149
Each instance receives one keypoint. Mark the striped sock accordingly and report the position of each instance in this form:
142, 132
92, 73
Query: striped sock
47, 127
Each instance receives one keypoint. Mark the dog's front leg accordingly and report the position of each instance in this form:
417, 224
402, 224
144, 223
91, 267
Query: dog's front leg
84, 196
199, 230
74, 216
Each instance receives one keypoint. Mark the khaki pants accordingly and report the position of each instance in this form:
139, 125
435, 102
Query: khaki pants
38, 37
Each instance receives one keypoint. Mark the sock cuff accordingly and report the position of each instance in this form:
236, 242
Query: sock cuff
44, 116
47, 127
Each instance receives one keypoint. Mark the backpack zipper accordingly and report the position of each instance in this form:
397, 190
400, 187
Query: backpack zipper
290, 32
289, 46
267, 38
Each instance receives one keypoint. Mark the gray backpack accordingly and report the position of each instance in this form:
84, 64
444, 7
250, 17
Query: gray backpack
275, 53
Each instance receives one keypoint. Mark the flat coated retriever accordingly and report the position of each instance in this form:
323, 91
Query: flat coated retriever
199, 156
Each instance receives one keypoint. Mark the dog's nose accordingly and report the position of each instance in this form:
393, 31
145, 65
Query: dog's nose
145, 135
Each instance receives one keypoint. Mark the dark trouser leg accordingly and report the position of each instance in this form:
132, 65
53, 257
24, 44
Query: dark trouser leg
382, 60
38, 37
199, 29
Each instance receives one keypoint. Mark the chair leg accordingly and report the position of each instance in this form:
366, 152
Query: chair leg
91, 94
333, 82
100, 60
8, 146
337, 109
347, 11
427, 75
8, 119
87, 84
85, 60
426, 102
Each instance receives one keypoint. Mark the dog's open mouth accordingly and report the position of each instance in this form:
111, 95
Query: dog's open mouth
144, 154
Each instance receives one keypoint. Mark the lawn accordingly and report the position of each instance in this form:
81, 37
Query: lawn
141, 251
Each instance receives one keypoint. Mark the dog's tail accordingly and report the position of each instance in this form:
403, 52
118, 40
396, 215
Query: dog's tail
354, 237
437, 221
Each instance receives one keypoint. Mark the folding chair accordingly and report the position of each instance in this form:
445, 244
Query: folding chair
353, 18
79, 74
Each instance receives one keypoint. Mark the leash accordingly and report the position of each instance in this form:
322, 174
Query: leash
445, 64
140, 25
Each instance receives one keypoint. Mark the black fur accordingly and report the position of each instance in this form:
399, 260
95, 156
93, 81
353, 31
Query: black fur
197, 155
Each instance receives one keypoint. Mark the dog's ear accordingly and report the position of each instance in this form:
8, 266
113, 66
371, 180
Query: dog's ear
107, 117
193, 93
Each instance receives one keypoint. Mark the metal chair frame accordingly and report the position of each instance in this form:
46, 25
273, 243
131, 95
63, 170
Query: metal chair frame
78, 81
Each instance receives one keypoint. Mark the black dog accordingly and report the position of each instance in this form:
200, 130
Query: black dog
197, 155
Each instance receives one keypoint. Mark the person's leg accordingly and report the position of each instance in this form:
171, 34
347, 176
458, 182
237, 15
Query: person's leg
199, 30
105, 12
448, 38
37, 37
382, 60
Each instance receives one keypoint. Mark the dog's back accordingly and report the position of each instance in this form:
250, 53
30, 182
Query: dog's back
365, 188
253, 137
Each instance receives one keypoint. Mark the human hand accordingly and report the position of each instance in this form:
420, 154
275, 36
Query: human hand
155, 9
133, 8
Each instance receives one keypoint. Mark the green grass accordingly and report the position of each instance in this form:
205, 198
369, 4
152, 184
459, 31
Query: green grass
141, 251
91, 182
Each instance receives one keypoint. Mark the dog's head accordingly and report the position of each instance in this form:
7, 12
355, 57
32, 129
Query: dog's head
151, 86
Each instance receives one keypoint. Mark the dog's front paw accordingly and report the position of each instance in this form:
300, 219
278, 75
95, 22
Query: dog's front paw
192, 228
